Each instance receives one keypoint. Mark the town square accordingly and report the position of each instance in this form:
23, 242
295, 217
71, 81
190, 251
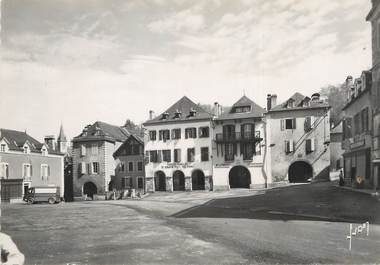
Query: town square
190, 132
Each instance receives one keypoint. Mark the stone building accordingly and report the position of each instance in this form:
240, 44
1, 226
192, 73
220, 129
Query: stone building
298, 137
93, 162
357, 128
374, 18
130, 167
25, 163
238, 149
178, 148
336, 150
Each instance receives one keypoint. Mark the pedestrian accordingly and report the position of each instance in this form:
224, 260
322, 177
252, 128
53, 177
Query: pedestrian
9, 252
341, 178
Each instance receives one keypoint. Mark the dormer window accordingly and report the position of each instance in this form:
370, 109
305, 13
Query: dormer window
44, 151
306, 103
243, 109
192, 112
177, 114
26, 149
291, 103
165, 116
3, 146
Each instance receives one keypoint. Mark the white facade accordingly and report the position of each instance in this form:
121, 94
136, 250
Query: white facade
224, 170
173, 170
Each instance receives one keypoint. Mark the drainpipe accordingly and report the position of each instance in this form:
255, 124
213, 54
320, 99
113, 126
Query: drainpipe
264, 170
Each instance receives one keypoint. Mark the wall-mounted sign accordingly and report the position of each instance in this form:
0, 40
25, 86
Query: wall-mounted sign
357, 144
177, 165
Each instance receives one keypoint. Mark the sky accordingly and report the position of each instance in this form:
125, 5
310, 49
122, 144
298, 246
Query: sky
78, 61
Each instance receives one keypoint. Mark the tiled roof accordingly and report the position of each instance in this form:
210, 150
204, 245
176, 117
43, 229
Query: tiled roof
103, 131
17, 139
298, 98
121, 147
255, 112
184, 105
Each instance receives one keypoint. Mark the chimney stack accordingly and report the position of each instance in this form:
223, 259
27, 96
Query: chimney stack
50, 141
271, 101
217, 109
151, 115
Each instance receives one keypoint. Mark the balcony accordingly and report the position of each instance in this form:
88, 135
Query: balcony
236, 137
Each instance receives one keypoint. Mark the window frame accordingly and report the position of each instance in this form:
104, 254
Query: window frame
130, 163
191, 157
5, 170
201, 132
203, 154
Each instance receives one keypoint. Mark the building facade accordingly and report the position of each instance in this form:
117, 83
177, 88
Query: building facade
239, 149
298, 138
336, 150
357, 131
130, 167
178, 148
93, 162
374, 18
32, 163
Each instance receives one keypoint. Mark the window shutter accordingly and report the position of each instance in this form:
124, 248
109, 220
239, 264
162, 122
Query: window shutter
186, 133
294, 123
312, 121
282, 125
83, 169
31, 170
159, 156
286, 146
48, 168
6, 171
291, 146
312, 145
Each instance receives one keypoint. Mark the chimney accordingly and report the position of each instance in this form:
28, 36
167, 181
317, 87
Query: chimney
216, 109
151, 114
274, 100
269, 102
349, 87
50, 141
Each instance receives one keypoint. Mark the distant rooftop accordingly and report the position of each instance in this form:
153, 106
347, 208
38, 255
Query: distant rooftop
183, 110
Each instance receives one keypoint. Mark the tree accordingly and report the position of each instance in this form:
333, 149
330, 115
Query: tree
133, 127
336, 96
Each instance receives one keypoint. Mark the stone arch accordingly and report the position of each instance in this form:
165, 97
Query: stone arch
90, 189
159, 181
239, 177
300, 171
198, 179
178, 180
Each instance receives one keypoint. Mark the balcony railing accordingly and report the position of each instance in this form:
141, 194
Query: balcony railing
238, 136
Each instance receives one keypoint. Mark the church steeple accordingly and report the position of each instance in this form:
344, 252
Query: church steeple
62, 141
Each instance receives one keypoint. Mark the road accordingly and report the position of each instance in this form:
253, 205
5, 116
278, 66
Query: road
296, 224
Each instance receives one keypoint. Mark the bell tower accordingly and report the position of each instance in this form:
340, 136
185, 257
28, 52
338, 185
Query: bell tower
62, 141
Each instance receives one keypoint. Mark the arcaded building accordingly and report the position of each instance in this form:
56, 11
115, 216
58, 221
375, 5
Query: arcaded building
178, 148
239, 149
93, 162
298, 138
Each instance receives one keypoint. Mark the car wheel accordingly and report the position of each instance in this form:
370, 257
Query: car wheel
51, 200
30, 201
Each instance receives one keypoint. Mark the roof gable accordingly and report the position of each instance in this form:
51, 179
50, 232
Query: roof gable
131, 138
101, 130
298, 99
255, 110
183, 106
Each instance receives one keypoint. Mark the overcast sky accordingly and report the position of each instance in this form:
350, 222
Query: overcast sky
78, 61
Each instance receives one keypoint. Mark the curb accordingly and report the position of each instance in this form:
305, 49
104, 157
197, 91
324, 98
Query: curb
370, 193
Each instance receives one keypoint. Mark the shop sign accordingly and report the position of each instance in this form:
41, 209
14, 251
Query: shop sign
357, 144
177, 165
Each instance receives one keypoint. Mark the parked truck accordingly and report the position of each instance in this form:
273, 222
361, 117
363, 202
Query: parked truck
42, 194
